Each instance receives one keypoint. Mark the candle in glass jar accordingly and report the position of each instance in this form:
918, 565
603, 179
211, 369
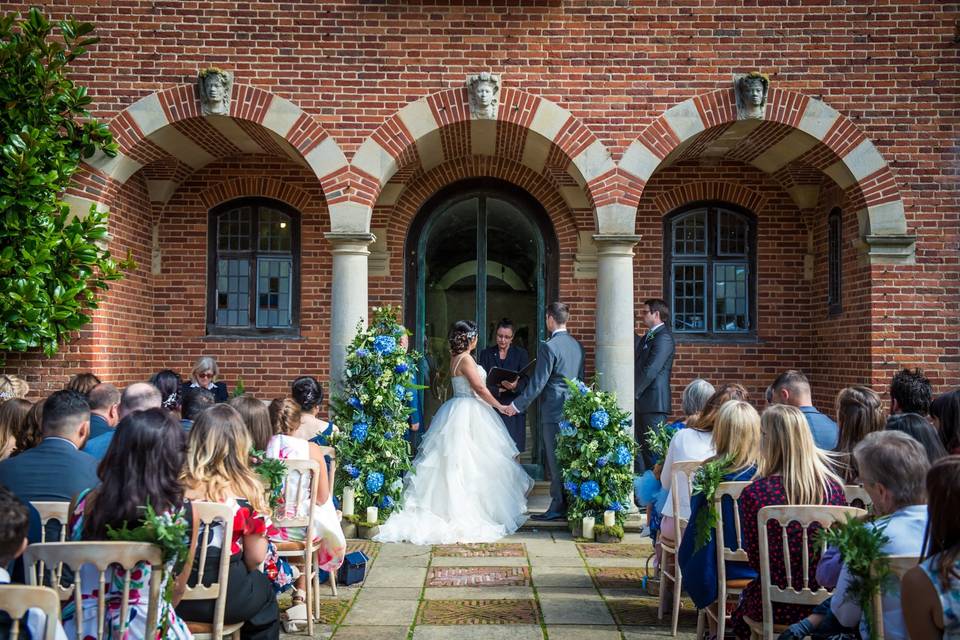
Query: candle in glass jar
588, 522
372, 515
609, 518
348, 502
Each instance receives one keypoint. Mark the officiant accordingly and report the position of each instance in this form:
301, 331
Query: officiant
506, 355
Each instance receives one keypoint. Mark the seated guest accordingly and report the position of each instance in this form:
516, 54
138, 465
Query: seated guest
139, 396
910, 392
859, 413
921, 430
793, 388
195, 402
13, 413
945, 415
793, 471
31, 432
14, 524
308, 394
736, 433
217, 469
169, 384
930, 592
55, 470
256, 417
141, 467
204, 375
82, 383
104, 409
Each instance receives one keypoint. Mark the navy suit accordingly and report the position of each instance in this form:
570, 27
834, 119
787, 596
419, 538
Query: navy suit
653, 365
98, 426
52, 471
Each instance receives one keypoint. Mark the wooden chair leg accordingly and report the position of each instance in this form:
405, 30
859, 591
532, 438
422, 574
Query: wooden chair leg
309, 569
701, 623
333, 583
677, 590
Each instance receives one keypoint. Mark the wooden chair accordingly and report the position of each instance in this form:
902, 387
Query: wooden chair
899, 565
16, 599
857, 496
725, 588
101, 555
806, 516
681, 470
51, 512
301, 487
206, 514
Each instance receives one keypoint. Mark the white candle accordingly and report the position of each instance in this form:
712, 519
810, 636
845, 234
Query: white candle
609, 518
588, 522
372, 515
347, 504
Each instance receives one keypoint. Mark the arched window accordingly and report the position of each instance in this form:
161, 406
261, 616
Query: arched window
253, 283
834, 261
710, 270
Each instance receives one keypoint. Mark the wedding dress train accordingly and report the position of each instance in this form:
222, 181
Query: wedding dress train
466, 485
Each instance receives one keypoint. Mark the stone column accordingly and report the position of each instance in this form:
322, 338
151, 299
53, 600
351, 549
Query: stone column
615, 316
349, 302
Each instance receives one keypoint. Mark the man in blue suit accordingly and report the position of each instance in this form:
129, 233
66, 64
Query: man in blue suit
104, 402
792, 387
55, 470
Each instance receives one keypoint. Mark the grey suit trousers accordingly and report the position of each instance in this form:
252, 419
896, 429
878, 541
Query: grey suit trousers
557, 501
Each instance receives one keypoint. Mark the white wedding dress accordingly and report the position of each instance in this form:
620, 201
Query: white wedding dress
466, 485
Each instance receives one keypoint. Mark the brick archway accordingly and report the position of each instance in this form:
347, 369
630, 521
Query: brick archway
795, 130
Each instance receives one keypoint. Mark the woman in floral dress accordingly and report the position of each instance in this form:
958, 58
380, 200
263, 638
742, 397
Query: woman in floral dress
141, 467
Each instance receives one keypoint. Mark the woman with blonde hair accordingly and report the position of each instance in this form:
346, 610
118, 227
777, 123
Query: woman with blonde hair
217, 469
13, 413
204, 375
736, 438
793, 471
859, 412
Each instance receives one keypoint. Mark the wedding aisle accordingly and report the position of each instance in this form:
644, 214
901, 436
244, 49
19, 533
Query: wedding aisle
534, 584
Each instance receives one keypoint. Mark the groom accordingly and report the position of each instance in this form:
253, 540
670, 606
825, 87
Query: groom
558, 358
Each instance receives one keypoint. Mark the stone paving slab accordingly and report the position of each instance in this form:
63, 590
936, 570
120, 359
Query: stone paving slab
550, 576
466, 593
479, 612
367, 632
439, 561
402, 550
556, 561
395, 576
560, 548
573, 606
581, 632
390, 593
478, 577
480, 550
480, 632
320, 632
380, 612
422, 560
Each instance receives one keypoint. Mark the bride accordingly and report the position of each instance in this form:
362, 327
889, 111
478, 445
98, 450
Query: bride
466, 485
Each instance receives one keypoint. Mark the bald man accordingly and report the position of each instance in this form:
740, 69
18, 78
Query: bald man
139, 396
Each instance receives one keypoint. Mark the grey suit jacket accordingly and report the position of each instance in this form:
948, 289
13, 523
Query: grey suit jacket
652, 368
558, 358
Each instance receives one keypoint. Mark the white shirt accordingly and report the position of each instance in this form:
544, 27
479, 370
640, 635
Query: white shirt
36, 619
687, 444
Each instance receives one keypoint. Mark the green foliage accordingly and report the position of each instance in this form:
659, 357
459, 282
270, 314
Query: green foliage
658, 439
372, 412
588, 454
51, 265
240, 389
273, 473
861, 547
615, 531
705, 482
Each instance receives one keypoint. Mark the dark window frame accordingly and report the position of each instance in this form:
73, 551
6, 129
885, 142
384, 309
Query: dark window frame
835, 262
710, 258
214, 254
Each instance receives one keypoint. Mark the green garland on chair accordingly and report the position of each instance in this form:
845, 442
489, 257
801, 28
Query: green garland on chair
705, 482
273, 473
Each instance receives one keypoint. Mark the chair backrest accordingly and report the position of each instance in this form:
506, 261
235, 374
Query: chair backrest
51, 512
732, 491
681, 487
206, 514
899, 565
299, 488
857, 496
101, 555
16, 599
806, 516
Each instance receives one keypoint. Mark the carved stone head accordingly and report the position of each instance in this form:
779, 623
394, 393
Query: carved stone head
484, 93
215, 88
751, 90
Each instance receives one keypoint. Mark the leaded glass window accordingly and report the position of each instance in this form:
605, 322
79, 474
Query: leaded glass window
254, 264
710, 266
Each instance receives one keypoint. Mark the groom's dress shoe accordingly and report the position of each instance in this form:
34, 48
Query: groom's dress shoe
548, 516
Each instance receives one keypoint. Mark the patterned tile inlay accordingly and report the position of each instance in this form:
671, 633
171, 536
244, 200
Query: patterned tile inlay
331, 611
369, 547
639, 551
457, 612
618, 577
480, 550
478, 577
643, 611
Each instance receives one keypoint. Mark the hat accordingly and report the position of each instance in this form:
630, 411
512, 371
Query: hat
13, 387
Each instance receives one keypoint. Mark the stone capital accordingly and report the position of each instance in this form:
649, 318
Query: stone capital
609, 244
351, 243
889, 249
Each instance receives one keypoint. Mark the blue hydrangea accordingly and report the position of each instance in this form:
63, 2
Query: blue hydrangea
351, 470
567, 428
384, 344
374, 481
603, 460
623, 456
401, 368
386, 502
589, 490
355, 403
584, 389
615, 506
362, 353
359, 431
571, 487
388, 435
599, 419
399, 391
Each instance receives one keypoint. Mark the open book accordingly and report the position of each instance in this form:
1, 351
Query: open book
497, 375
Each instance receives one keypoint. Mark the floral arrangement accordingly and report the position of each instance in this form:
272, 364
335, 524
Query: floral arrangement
373, 409
705, 482
658, 439
273, 473
596, 453
861, 545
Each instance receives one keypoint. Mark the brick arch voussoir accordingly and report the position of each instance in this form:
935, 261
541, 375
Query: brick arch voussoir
261, 186
710, 190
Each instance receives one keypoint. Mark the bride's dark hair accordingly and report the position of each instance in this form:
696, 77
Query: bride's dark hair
462, 332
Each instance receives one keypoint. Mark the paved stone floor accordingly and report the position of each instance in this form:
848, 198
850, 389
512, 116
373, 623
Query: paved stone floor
535, 584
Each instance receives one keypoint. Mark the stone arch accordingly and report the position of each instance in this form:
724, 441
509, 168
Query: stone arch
795, 129
530, 129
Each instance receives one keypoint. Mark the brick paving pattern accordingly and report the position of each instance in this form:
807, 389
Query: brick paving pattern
639, 551
459, 612
369, 547
643, 611
618, 577
480, 550
478, 577
331, 611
